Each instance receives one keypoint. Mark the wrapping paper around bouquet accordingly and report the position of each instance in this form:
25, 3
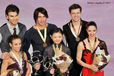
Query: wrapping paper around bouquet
100, 59
63, 65
62, 60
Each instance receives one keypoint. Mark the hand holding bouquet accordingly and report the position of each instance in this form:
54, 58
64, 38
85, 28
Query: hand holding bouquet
100, 58
63, 61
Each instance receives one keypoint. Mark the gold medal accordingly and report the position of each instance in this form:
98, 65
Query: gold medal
45, 44
77, 39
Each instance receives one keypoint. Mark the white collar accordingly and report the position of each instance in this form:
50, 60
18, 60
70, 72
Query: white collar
12, 26
72, 30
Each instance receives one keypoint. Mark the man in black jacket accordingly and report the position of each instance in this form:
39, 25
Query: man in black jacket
75, 31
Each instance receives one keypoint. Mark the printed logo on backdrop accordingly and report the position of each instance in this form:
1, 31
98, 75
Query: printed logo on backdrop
99, 2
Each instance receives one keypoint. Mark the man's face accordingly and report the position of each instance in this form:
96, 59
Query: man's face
75, 14
41, 20
12, 18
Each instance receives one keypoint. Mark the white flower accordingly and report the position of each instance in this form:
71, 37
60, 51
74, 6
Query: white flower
98, 51
100, 63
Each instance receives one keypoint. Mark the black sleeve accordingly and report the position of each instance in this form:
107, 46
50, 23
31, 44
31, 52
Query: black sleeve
45, 54
24, 29
65, 33
103, 46
26, 44
68, 52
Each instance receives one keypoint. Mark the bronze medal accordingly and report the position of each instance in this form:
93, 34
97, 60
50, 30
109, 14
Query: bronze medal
77, 39
45, 44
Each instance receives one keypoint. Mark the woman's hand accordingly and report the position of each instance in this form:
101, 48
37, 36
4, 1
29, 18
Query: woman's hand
52, 71
37, 66
94, 68
63, 70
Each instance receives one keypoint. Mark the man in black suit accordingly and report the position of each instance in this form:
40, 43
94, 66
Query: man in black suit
75, 31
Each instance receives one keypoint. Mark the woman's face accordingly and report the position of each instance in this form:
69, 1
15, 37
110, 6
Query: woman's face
57, 37
92, 30
16, 45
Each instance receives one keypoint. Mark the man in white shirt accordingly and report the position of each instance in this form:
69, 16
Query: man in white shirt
12, 27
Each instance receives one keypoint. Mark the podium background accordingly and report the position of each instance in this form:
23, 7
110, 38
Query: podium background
100, 11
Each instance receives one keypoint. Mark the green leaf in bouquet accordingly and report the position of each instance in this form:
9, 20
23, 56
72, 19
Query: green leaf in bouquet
61, 74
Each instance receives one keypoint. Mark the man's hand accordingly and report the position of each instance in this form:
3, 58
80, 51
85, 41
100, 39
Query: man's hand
37, 66
5, 55
52, 71
63, 70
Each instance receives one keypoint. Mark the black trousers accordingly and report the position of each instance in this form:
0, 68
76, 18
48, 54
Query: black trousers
75, 70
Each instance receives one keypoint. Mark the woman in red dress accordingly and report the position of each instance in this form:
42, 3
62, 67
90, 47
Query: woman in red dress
86, 51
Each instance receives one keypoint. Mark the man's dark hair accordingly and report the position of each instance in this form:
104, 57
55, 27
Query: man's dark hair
11, 8
40, 10
75, 6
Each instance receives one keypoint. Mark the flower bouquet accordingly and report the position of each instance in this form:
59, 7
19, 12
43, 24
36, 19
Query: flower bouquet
100, 58
63, 61
11, 72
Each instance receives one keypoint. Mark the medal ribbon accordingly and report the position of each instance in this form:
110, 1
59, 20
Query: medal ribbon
60, 52
92, 48
76, 33
57, 49
19, 62
45, 34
